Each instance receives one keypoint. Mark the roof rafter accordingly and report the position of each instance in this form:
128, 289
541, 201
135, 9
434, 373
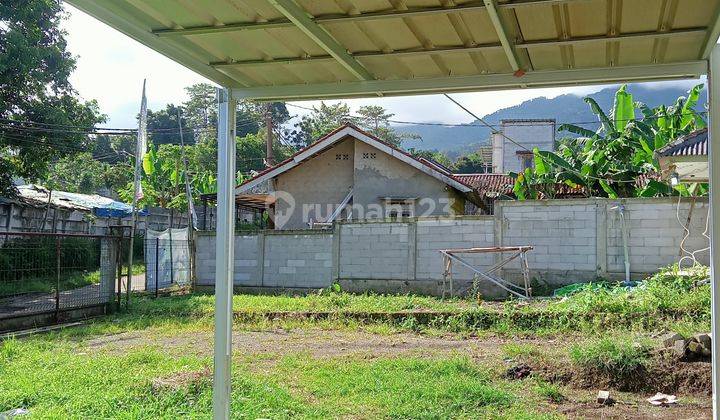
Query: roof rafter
491, 6
712, 36
385, 14
310, 28
464, 49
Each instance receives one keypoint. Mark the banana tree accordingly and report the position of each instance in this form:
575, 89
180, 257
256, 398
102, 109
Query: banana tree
607, 162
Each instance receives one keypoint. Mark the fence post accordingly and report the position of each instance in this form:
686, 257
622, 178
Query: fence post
57, 282
157, 264
118, 262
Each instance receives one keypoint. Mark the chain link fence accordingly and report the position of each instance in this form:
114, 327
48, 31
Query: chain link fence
54, 272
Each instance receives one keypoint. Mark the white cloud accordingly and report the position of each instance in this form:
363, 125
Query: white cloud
111, 68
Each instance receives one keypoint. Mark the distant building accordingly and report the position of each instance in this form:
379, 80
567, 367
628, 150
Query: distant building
350, 174
512, 146
686, 157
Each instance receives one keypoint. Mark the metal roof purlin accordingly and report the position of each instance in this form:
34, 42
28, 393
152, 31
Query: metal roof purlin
462, 49
310, 28
362, 17
712, 36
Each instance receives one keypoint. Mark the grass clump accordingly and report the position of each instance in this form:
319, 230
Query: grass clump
550, 392
617, 357
515, 350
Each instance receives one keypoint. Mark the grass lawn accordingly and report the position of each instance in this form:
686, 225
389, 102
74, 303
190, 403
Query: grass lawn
154, 360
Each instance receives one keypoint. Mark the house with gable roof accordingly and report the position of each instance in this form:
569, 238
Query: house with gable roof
351, 174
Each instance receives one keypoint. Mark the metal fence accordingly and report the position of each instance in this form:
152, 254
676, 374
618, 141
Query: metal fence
53, 272
167, 261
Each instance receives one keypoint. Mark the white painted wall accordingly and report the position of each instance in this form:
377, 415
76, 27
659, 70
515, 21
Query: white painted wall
528, 134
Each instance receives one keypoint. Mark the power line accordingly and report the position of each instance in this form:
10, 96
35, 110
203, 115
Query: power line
497, 126
524, 147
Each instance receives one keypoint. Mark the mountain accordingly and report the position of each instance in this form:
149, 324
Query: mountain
462, 139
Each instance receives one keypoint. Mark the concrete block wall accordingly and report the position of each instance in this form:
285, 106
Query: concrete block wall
271, 259
246, 260
562, 232
654, 233
573, 240
298, 260
582, 239
375, 251
434, 235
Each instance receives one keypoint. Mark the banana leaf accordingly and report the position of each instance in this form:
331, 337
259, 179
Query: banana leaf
606, 123
623, 110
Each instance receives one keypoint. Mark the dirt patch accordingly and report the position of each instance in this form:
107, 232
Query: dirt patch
662, 374
634, 410
316, 343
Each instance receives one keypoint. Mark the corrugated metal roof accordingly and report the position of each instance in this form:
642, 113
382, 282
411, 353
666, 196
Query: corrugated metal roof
693, 144
36, 195
249, 44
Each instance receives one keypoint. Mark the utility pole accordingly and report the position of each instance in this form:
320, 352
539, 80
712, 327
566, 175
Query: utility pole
269, 160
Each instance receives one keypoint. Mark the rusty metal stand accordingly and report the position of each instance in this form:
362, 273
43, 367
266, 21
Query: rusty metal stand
451, 255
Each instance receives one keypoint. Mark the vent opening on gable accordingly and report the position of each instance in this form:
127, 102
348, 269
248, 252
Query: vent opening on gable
369, 155
342, 156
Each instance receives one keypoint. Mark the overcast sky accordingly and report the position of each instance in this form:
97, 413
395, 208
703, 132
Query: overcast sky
112, 66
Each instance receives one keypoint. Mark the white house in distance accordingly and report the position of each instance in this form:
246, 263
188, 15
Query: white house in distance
686, 157
351, 174
527, 133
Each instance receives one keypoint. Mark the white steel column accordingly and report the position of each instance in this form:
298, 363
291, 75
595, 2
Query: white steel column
224, 254
714, 163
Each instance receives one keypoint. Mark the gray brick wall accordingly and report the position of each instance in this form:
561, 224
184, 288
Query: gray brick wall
375, 251
434, 235
298, 260
288, 260
654, 234
564, 235
574, 240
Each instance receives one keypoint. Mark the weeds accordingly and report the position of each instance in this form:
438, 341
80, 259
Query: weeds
549, 391
617, 357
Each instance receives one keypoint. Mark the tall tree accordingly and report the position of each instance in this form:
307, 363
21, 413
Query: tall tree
473, 163
322, 120
325, 118
34, 86
376, 120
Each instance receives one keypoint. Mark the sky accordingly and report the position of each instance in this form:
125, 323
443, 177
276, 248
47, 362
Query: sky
111, 68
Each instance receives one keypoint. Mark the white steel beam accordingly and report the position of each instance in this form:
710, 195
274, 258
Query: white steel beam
491, 6
310, 28
714, 163
712, 36
603, 75
464, 50
224, 254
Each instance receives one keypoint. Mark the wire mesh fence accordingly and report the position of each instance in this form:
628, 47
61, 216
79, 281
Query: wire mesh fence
45, 272
167, 259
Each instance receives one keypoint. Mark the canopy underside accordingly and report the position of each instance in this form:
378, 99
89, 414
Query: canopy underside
272, 49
